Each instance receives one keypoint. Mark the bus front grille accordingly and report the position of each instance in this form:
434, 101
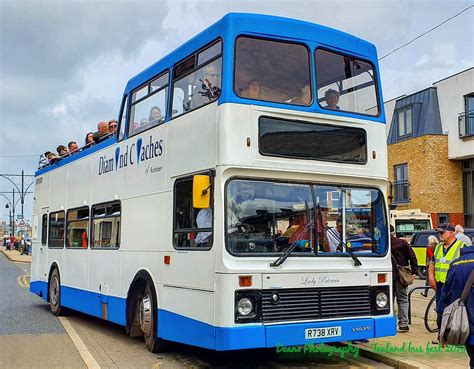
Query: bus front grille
315, 303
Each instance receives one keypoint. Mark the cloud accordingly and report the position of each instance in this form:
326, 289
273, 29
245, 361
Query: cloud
64, 64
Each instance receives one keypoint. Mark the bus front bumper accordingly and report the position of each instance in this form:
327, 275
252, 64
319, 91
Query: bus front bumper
177, 328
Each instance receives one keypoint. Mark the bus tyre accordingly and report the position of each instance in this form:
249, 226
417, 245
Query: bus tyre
147, 316
55, 293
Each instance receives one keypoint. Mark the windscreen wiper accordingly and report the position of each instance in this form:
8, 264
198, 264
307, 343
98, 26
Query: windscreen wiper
290, 249
308, 227
355, 259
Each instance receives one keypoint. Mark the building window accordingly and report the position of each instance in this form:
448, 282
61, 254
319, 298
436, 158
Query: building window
466, 118
192, 226
106, 226
405, 122
401, 184
56, 229
77, 228
443, 218
468, 191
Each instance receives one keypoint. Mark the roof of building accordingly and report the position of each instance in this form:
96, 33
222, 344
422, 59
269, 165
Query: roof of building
426, 119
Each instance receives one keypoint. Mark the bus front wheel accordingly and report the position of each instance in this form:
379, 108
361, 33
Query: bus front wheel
147, 317
55, 293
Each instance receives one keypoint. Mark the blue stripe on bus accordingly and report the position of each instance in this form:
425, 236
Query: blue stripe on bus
178, 328
87, 302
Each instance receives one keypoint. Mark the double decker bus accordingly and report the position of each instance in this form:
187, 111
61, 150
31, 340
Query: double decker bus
241, 203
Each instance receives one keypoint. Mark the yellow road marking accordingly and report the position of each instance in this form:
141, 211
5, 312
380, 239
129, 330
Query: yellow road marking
23, 280
86, 355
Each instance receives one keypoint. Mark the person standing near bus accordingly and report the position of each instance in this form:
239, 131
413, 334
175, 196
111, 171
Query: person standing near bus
432, 242
459, 234
402, 255
457, 276
445, 252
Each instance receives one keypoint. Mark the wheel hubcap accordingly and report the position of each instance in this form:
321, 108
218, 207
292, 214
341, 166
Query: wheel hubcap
54, 291
145, 315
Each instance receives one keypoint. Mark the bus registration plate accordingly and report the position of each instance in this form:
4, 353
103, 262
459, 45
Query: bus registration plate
312, 333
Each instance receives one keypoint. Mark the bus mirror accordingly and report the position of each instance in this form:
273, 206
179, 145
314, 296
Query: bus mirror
201, 191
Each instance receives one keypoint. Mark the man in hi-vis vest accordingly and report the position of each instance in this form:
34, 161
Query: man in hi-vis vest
444, 253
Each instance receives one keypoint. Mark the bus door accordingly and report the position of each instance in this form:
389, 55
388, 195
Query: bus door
40, 249
190, 273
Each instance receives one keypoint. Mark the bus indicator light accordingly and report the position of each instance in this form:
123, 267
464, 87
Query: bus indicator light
167, 259
382, 278
245, 280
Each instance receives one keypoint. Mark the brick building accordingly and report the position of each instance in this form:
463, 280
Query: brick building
431, 149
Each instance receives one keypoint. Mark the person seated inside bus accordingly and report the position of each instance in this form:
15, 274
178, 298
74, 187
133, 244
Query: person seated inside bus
102, 132
208, 87
62, 150
297, 232
155, 117
72, 147
204, 220
332, 98
334, 235
253, 90
112, 126
305, 96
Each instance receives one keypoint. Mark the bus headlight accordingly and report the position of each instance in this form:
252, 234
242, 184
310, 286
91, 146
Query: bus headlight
247, 306
381, 300
244, 306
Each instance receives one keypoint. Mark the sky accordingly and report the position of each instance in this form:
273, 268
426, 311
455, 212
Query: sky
64, 64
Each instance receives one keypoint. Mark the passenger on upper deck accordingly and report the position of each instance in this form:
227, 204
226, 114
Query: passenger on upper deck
102, 131
305, 95
253, 90
210, 87
72, 146
155, 116
62, 150
112, 126
332, 98
51, 157
89, 141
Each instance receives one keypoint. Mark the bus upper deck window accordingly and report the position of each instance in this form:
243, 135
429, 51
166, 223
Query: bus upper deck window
345, 83
272, 71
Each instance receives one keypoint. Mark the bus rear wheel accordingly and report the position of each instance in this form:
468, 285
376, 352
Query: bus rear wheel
55, 293
147, 318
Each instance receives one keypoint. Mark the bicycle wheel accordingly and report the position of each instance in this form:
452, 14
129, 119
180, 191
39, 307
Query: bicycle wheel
431, 316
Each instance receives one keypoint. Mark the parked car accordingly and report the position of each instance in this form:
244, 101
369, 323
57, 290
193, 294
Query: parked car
419, 243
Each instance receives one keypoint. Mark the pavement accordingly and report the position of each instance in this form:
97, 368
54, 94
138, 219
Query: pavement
15, 256
413, 349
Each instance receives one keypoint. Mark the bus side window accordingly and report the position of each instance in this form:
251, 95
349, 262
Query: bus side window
56, 230
106, 219
77, 228
192, 226
44, 229
197, 80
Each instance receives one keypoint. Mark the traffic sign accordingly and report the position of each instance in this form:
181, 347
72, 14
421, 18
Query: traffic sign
19, 216
21, 225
